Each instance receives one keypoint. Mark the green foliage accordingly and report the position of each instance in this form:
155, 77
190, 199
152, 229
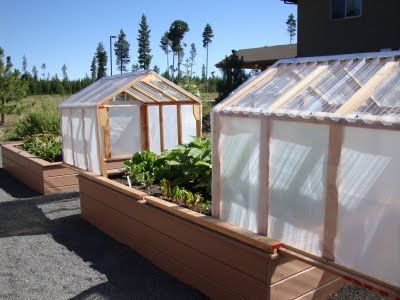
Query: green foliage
44, 146
189, 166
144, 51
176, 34
121, 48
291, 27
101, 57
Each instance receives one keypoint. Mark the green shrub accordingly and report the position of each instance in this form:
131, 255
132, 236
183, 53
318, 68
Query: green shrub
35, 122
44, 146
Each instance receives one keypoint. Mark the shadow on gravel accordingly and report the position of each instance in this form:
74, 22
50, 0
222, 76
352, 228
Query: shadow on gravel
130, 276
13, 187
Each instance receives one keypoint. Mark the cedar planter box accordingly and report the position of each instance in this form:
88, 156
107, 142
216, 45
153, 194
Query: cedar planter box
219, 259
40, 175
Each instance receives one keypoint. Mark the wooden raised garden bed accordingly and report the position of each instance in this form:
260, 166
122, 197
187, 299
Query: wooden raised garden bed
221, 260
42, 176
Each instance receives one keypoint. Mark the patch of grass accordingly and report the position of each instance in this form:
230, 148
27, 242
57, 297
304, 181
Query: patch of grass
32, 115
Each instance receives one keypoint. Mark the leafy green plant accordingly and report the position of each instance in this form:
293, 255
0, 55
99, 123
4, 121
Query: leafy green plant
44, 146
189, 166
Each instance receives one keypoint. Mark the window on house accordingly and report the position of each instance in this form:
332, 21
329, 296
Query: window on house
342, 9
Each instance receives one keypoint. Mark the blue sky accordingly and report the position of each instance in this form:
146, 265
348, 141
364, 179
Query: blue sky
67, 32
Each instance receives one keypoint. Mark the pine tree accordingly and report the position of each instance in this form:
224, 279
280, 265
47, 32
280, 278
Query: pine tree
35, 73
176, 34
43, 67
291, 27
93, 68
207, 39
24, 65
156, 69
121, 48
203, 73
165, 45
193, 53
144, 50
12, 88
64, 72
101, 57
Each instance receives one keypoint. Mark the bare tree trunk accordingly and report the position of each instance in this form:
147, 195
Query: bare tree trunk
173, 66
207, 72
168, 64
2, 121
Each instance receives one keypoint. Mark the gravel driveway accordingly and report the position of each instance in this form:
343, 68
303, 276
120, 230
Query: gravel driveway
48, 252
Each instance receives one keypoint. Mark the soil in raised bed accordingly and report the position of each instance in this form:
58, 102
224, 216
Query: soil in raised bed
154, 190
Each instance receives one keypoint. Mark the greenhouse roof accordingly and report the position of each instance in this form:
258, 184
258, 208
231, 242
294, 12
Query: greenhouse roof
145, 86
353, 87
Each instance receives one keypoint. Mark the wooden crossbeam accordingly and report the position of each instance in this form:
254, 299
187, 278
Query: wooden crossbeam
153, 86
367, 89
302, 85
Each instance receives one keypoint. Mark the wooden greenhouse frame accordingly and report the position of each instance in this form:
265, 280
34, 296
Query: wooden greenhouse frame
146, 88
247, 103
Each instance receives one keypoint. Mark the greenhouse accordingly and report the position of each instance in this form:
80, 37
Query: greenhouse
307, 153
119, 115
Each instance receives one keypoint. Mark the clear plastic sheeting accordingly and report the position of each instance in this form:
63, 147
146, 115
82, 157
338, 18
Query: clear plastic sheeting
95, 93
154, 127
150, 91
336, 85
66, 136
170, 117
273, 86
78, 143
90, 134
188, 123
368, 237
239, 155
297, 184
125, 133
169, 90
385, 101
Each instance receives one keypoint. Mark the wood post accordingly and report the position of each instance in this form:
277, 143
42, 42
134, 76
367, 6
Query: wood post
332, 194
144, 126
161, 116
100, 131
197, 111
179, 118
216, 163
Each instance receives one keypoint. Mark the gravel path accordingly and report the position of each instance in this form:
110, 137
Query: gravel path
48, 252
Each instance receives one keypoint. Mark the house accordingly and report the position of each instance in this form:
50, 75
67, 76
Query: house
262, 57
328, 27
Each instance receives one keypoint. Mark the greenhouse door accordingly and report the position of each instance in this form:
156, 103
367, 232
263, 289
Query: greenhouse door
125, 137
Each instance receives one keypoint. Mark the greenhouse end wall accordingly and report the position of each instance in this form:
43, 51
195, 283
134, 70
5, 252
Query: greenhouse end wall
296, 205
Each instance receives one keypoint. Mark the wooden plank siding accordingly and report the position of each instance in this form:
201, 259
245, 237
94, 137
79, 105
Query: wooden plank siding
220, 266
41, 176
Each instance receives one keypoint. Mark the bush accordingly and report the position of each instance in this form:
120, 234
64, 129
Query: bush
44, 146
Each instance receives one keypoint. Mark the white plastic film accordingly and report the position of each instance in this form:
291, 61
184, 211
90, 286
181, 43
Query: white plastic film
170, 126
239, 153
298, 161
91, 136
154, 127
77, 138
66, 137
368, 232
125, 131
188, 123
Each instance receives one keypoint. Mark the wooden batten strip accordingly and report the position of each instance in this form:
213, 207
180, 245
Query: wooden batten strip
332, 194
161, 116
367, 89
85, 156
299, 87
136, 97
179, 125
144, 125
107, 144
72, 137
262, 221
216, 163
